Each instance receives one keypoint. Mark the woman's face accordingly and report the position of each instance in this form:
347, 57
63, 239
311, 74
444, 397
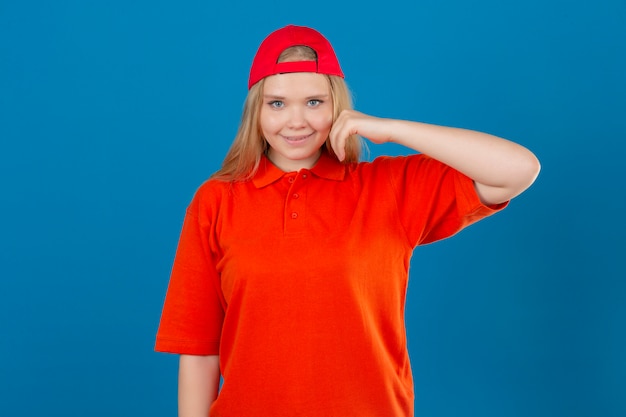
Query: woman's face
296, 117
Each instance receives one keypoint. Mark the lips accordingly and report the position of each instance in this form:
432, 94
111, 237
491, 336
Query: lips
297, 139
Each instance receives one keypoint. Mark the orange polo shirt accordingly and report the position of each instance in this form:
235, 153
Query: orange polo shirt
298, 280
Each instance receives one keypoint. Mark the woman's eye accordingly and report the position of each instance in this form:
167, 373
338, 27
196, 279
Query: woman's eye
315, 102
277, 104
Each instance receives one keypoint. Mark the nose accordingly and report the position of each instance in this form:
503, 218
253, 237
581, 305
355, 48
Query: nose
297, 117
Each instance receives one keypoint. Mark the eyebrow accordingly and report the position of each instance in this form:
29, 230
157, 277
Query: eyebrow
275, 97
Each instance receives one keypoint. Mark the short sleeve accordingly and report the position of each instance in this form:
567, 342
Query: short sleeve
434, 200
193, 311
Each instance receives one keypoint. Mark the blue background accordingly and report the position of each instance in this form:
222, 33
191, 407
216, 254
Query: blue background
113, 112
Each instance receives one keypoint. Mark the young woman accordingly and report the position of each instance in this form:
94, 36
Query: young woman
290, 276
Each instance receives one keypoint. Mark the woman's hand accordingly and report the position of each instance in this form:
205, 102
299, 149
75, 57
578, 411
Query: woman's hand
352, 122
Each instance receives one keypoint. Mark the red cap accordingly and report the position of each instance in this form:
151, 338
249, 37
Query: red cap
265, 60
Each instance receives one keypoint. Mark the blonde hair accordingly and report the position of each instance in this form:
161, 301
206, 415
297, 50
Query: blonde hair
243, 157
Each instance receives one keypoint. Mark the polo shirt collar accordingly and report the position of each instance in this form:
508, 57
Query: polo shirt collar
326, 167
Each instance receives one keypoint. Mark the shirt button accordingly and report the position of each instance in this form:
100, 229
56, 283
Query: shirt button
294, 215
291, 179
304, 176
296, 195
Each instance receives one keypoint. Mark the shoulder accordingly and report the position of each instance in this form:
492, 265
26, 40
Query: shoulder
398, 165
210, 195
211, 187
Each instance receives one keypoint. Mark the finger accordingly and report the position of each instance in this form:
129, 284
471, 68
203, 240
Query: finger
340, 132
336, 143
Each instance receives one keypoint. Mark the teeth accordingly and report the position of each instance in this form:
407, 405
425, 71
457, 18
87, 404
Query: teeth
296, 138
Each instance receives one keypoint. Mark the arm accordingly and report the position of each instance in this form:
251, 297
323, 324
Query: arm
501, 169
198, 383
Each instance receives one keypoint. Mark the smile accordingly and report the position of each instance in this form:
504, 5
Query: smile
296, 139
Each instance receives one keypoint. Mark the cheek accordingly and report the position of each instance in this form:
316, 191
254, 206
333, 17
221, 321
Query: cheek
269, 122
322, 122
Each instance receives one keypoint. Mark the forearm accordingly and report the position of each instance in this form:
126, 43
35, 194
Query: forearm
198, 384
501, 169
